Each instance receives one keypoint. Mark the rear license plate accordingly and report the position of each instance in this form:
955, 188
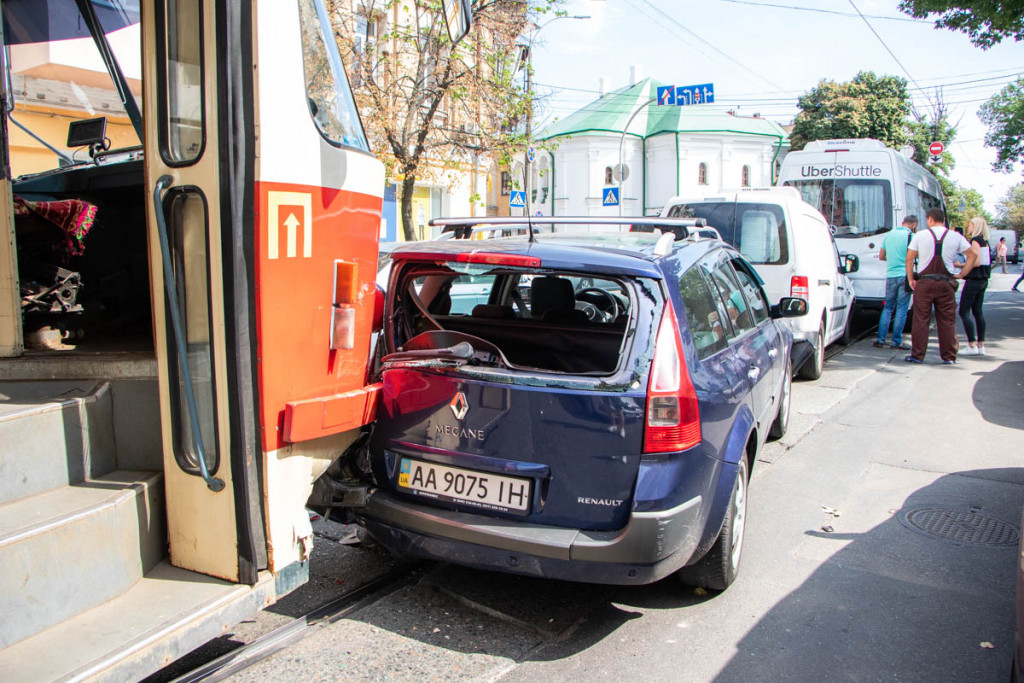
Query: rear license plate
454, 484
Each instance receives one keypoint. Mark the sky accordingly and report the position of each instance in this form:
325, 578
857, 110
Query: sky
761, 55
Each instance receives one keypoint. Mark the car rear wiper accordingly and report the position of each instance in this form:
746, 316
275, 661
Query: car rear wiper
456, 355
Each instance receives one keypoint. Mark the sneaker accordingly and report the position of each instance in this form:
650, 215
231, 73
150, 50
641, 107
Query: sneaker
911, 359
949, 362
981, 350
902, 345
879, 345
970, 351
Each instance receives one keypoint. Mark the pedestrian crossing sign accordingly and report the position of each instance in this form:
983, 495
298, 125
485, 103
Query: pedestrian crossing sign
518, 199
610, 197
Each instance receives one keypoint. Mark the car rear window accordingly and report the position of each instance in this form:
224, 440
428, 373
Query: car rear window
531, 319
756, 230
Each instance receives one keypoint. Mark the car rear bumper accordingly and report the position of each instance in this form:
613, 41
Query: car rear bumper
651, 546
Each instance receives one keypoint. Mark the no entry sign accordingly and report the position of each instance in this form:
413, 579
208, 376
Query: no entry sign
936, 148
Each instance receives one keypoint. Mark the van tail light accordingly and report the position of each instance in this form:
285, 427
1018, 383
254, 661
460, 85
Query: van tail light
673, 418
798, 287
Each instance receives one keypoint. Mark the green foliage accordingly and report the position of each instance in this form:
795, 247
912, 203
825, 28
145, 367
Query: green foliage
926, 129
974, 204
986, 22
1010, 209
868, 106
1004, 115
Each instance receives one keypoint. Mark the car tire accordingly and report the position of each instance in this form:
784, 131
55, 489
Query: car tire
815, 365
847, 337
719, 568
781, 423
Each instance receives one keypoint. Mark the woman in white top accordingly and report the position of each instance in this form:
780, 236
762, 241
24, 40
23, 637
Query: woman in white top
975, 282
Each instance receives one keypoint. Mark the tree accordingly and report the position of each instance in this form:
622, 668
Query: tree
933, 126
429, 107
974, 204
1010, 209
866, 107
986, 22
1004, 116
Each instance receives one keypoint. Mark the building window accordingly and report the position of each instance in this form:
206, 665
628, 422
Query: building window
506, 183
745, 178
702, 174
608, 175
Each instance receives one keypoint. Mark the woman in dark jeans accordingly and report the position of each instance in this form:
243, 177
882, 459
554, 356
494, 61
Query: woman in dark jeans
975, 282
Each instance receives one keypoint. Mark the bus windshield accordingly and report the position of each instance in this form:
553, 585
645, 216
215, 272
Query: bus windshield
853, 208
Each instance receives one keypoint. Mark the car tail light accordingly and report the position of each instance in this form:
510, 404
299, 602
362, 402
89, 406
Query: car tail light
673, 419
798, 287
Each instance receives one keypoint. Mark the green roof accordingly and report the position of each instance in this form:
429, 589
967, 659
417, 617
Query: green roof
610, 113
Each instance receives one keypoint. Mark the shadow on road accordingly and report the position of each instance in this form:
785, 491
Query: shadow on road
896, 604
997, 394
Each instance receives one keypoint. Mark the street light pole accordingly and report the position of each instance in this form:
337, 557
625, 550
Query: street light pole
622, 139
529, 101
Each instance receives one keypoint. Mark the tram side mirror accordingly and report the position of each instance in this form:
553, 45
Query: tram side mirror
458, 15
789, 307
851, 263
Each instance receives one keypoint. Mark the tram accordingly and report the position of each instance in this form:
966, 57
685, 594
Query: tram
186, 304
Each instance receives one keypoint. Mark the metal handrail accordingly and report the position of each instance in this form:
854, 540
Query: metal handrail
163, 183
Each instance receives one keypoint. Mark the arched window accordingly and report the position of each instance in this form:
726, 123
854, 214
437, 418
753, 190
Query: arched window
745, 178
702, 174
608, 175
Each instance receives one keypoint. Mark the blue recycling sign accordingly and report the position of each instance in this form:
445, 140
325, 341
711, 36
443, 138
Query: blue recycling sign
610, 196
518, 199
683, 95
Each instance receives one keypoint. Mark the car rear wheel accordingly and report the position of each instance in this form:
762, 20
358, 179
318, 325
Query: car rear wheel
815, 365
781, 423
719, 568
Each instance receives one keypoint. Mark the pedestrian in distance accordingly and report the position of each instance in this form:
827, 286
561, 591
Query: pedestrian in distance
975, 280
1001, 253
934, 285
897, 296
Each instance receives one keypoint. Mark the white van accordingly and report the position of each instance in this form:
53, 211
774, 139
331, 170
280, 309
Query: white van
1012, 250
789, 243
864, 189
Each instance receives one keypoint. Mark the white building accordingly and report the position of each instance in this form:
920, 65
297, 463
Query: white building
665, 151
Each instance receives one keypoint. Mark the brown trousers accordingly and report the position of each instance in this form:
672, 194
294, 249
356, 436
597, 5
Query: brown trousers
941, 295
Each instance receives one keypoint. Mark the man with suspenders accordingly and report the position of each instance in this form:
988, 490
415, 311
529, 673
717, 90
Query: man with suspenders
935, 285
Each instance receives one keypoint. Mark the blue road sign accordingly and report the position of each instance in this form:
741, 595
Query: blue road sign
695, 94
610, 196
666, 94
531, 154
518, 199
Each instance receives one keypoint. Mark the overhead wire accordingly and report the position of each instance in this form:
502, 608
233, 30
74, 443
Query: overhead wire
825, 11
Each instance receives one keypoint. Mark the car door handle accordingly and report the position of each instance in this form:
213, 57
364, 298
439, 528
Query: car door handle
753, 374
773, 352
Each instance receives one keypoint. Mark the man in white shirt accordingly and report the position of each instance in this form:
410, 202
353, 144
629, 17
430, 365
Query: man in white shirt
934, 285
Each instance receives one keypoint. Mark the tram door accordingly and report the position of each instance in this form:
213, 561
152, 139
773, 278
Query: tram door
201, 283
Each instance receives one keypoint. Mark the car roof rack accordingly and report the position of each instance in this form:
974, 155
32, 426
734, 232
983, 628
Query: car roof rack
465, 227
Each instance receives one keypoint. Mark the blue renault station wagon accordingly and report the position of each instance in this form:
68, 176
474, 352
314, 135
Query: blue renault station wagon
588, 410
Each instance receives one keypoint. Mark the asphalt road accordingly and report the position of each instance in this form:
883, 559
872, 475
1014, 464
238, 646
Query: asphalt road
870, 555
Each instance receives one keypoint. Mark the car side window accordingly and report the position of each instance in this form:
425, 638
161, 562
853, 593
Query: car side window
724, 279
753, 293
702, 314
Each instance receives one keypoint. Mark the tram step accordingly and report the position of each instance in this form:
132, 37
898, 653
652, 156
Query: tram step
164, 616
53, 433
68, 550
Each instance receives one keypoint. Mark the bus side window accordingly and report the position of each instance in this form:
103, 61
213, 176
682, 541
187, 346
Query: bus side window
914, 203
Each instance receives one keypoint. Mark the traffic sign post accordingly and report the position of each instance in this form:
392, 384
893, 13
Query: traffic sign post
684, 95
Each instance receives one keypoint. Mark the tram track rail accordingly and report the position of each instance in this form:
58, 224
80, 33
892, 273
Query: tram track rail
265, 646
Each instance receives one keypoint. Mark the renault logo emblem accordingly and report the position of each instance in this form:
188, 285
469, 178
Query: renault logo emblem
459, 405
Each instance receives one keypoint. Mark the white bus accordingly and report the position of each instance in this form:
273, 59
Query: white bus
863, 188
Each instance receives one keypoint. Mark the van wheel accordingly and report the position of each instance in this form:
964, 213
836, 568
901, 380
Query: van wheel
781, 423
815, 365
719, 568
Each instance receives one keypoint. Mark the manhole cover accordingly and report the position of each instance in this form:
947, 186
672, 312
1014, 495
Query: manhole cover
962, 527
